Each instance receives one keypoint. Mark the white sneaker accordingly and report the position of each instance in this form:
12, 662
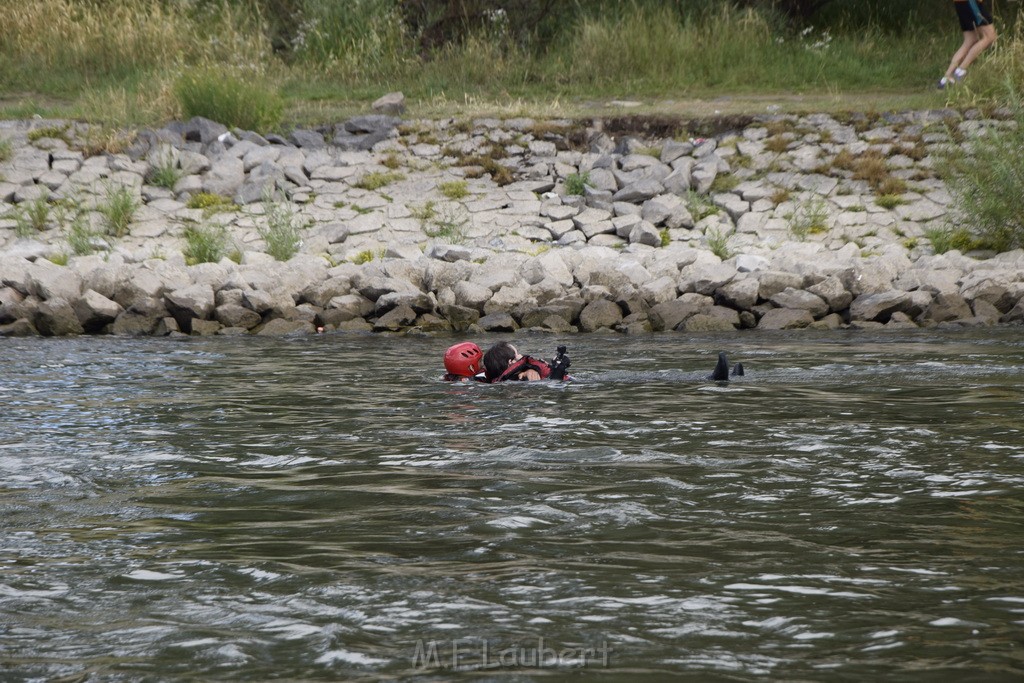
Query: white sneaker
959, 74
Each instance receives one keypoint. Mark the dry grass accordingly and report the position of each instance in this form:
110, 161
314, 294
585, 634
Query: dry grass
871, 167
777, 143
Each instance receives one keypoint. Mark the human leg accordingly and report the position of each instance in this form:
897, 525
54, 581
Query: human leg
986, 36
971, 38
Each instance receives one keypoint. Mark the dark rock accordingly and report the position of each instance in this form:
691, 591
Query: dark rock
56, 318
307, 139
203, 130
234, 315
19, 328
134, 324
598, 314
396, 319
785, 319
498, 322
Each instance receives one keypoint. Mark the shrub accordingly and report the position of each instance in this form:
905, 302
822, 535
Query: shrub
205, 243
280, 232
982, 181
454, 189
576, 183
947, 238
119, 210
229, 99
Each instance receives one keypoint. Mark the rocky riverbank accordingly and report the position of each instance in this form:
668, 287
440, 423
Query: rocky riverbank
781, 222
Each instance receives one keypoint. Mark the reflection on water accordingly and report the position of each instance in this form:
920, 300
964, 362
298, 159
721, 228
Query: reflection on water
325, 508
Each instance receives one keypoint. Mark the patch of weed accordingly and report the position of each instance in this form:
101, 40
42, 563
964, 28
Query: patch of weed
119, 209
889, 201
377, 179
205, 243
454, 189
576, 183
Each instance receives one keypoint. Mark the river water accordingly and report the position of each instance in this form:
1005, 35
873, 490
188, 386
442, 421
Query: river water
325, 508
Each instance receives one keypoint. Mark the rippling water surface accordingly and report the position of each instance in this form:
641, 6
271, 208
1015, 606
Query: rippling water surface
326, 508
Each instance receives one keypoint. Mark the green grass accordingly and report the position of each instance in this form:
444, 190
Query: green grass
700, 206
80, 236
260, 64
281, 231
32, 216
947, 238
367, 255
718, 243
809, 218
426, 212
119, 210
983, 181
211, 203
234, 100
378, 179
165, 174
205, 243
576, 183
5, 150
454, 189
889, 201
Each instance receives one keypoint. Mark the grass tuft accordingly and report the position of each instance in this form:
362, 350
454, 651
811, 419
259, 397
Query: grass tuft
576, 183
205, 243
377, 179
281, 232
454, 189
235, 101
119, 210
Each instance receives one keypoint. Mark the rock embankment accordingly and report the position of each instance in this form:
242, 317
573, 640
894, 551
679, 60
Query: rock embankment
435, 226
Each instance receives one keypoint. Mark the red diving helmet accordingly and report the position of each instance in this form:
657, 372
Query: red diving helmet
463, 359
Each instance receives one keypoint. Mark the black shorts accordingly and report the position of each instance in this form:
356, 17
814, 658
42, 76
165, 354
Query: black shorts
968, 19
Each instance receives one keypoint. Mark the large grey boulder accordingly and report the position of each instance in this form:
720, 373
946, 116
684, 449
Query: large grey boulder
879, 307
946, 307
599, 314
195, 301
498, 322
801, 300
95, 311
639, 191
225, 176
705, 277
785, 319
49, 281
832, 291
56, 318
669, 315
234, 315
397, 318
739, 294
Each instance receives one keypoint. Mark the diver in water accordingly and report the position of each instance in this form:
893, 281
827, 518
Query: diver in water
501, 363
